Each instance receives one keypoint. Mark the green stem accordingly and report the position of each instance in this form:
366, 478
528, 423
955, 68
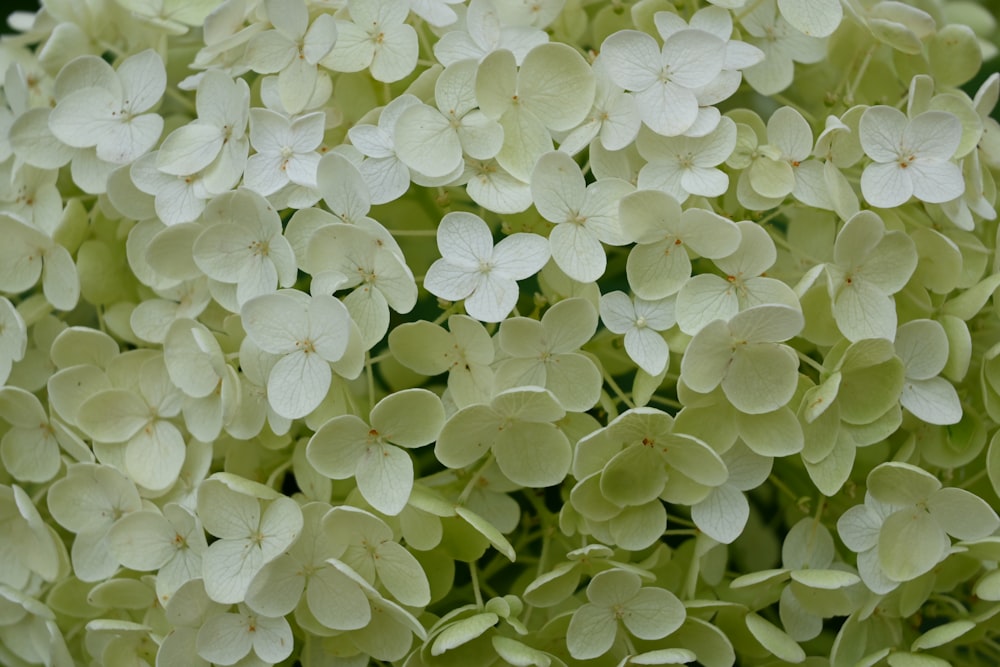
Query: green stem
370, 378
413, 232
475, 585
273, 477
861, 72
746, 11
809, 361
471, 484
972, 480
616, 389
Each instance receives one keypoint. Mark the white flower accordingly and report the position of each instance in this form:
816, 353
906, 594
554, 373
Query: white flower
783, 46
109, 113
433, 141
244, 246
683, 166
485, 33
664, 80
912, 157
641, 321
614, 118
292, 50
309, 333
216, 141
585, 216
387, 176
376, 37
472, 269
286, 150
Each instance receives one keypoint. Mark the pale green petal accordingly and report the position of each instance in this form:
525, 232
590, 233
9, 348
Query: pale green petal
634, 476
462, 632
562, 102
224, 639
467, 436
277, 588
533, 454
385, 478
489, 531
409, 418
962, 514
761, 378
708, 357
653, 613
402, 575
910, 544
775, 433
934, 400
901, 484
228, 567
337, 601
591, 632
723, 514
154, 456
337, 446
775, 640
639, 527
574, 380
114, 415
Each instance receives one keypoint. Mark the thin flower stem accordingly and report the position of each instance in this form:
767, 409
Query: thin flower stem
446, 313
413, 232
182, 99
474, 479
784, 488
474, 574
746, 11
370, 378
673, 518
861, 72
616, 389
972, 480
795, 105
273, 477
809, 361
669, 402
629, 646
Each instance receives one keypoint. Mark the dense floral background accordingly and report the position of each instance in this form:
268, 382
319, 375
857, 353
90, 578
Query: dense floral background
500, 332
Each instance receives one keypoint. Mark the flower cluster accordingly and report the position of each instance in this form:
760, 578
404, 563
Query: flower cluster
499, 332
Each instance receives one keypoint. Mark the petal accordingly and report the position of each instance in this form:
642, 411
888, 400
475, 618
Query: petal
385, 478
881, 131
520, 255
298, 383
